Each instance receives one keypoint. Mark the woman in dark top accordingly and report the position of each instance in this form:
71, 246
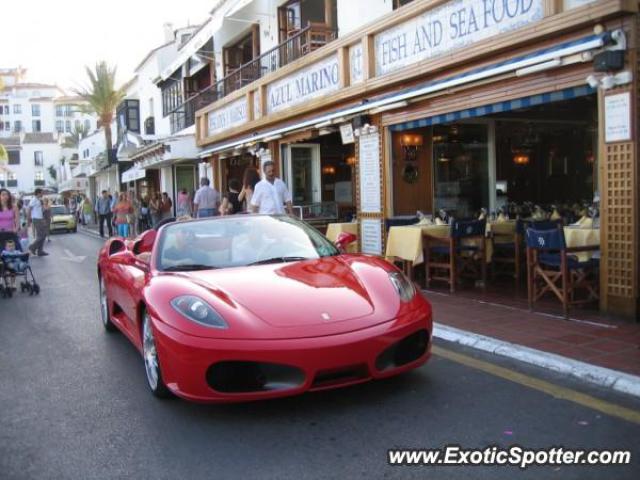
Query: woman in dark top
230, 203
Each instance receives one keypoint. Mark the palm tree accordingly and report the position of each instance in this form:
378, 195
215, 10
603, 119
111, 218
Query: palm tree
73, 139
102, 96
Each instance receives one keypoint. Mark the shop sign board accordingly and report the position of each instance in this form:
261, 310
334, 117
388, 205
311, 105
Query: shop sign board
371, 236
346, 133
452, 26
617, 117
369, 170
311, 82
356, 72
229, 116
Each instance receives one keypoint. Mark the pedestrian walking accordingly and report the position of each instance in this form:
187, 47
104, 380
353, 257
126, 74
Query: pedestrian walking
154, 208
35, 217
183, 204
46, 216
166, 206
122, 210
271, 194
87, 211
133, 216
230, 202
103, 208
9, 213
249, 180
206, 200
144, 218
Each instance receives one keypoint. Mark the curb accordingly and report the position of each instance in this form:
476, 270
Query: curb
601, 376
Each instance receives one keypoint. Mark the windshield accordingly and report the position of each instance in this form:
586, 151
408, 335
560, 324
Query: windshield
239, 241
59, 210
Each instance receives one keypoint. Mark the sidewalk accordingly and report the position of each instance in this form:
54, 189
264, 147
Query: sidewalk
588, 345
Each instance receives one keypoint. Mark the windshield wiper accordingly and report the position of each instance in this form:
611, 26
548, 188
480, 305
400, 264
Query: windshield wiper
278, 260
188, 267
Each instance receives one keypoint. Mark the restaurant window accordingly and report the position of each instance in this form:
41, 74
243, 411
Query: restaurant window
399, 3
36, 126
171, 95
38, 159
242, 51
296, 15
460, 153
35, 110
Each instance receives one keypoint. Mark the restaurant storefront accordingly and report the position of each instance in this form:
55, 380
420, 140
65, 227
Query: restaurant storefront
468, 106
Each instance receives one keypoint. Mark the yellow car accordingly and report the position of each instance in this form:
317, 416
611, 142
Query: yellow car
62, 219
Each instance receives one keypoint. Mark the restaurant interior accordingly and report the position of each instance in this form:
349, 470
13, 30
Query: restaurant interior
533, 168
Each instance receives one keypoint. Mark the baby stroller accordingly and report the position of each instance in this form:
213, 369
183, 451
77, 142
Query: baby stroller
15, 265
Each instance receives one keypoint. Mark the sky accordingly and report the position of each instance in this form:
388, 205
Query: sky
55, 39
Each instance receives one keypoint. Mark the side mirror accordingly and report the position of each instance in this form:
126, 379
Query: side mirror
344, 240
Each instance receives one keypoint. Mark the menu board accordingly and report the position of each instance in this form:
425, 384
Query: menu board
370, 173
617, 117
371, 236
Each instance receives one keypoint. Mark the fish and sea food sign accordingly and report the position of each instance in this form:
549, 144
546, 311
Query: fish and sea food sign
451, 26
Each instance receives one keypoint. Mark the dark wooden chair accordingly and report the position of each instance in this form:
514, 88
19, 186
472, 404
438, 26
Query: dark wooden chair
508, 251
552, 267
448, 259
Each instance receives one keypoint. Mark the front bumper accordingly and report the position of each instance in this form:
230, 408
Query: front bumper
185, 360
62, 225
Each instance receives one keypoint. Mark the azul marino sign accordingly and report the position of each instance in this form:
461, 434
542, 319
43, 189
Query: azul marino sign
451, 26
317, 80
228, 117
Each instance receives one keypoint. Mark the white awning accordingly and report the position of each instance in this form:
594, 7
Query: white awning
134, 173
74, 184
196, 42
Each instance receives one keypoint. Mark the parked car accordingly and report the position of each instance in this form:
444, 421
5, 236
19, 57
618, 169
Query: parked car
63, 219
249, 307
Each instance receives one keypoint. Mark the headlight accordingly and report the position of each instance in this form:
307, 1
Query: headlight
199, 311
405, 288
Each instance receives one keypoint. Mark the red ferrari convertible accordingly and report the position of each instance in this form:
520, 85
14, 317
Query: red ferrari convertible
249, 307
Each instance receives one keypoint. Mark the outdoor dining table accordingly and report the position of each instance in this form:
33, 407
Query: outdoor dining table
335, 229
575, 236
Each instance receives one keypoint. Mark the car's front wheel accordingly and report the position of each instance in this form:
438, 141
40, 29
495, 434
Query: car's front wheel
104, 308
151, 364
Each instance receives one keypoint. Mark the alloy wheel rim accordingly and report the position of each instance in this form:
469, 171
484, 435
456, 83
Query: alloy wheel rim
104, 305
150, 354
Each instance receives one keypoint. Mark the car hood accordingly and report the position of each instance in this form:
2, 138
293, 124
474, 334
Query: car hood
304, 293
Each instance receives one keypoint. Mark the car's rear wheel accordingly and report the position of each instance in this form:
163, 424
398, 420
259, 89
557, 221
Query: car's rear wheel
151, 364
104, 308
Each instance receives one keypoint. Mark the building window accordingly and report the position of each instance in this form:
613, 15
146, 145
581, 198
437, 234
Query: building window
35, 110
67, 126
67, 111
38, 159
14, 157
59, 126
59, 111
399, 3
7, 126
171, 97
1, 126
17, 126
87, 126
78, 125
39, 178
36, 126
12, 179
6, 109
17, 109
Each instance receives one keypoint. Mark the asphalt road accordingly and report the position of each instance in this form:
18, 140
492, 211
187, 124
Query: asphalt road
74, 405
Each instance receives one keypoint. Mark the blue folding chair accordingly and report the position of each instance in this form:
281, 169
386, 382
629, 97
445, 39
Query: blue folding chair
447, 259
553, 267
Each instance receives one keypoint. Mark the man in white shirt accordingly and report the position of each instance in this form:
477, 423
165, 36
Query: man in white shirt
35, 215
206, 200
271, 194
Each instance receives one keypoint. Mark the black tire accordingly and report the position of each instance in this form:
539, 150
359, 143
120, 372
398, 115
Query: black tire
104, 309
36, 288
75, 230
151, 361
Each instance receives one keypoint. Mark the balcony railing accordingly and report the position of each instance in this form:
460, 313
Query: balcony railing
305, 41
